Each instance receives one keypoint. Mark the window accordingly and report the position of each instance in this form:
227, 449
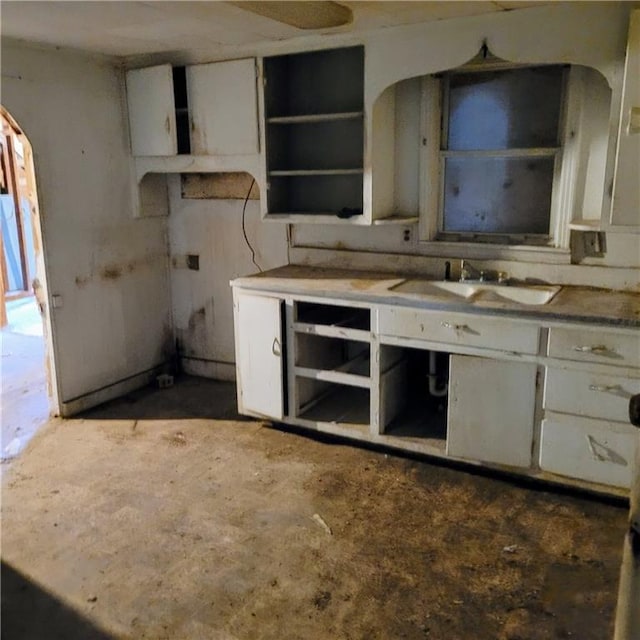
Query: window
499, 150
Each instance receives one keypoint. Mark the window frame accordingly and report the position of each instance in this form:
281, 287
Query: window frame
431, 196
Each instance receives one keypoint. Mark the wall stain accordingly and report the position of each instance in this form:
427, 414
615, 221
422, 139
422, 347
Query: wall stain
111, 273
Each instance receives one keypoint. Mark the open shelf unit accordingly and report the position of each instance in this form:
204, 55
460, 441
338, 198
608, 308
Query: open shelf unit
331, 372
314, 111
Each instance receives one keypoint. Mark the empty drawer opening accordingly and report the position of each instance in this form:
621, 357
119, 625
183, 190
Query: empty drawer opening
332, 354
414, 394
333, 315
322, 401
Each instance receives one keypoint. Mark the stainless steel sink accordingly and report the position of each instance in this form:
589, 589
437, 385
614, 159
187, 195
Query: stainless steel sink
476, 292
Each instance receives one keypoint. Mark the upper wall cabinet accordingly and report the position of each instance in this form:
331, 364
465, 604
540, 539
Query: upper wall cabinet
314, 110
223, 102
152, 112
206, 110
625, 209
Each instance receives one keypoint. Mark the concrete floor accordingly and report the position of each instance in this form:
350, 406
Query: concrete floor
163, 515
24, 403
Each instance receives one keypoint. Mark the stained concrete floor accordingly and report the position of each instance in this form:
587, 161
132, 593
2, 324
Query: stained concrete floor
165, 516
24, 405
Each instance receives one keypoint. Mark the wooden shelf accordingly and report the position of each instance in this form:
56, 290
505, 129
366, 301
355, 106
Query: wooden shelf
337, 377
585, 225
316, 172
315, 117
396, 220
332, 331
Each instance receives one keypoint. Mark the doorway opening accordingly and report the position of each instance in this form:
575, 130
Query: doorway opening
29, 393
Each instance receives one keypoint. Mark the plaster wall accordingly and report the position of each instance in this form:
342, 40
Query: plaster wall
201, 300
395, 61
109, 270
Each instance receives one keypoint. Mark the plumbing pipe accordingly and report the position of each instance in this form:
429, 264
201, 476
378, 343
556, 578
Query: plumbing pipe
433, 387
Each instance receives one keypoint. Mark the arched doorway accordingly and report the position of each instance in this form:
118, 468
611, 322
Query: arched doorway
29, 390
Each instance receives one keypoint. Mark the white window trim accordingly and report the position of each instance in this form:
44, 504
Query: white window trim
564, 181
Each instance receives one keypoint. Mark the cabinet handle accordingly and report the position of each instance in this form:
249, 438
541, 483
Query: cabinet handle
597, 349
167, 124
455, 327
604, 388
275, 348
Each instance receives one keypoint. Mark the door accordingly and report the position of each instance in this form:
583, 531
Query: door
152, 114
491, 410
626, 186
224, 108
259, 355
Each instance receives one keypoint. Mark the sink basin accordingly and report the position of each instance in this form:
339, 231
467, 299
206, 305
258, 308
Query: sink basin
436, 288
480, 291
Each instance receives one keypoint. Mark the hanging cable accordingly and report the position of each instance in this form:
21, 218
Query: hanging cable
244, 231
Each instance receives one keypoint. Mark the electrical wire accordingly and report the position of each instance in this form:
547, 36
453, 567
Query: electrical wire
244, 231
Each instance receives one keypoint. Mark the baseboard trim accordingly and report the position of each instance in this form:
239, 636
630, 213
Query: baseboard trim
209, 368
92, 399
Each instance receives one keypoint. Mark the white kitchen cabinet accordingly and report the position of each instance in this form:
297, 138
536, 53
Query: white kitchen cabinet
439, 382
625, 208
591, 450
223, 101
590, 394
152, 113
491, 410
314, 136
203, 110
259, 355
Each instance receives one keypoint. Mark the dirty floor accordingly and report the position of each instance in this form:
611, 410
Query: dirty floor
24, 405
166, 516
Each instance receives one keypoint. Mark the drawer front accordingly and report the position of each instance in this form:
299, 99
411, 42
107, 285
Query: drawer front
589, 450
458, 329
595, 346
583, 393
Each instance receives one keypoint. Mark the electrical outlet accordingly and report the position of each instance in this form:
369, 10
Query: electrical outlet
407, 235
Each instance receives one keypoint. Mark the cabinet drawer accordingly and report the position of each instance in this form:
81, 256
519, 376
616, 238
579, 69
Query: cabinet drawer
458, 329
595, 346
583, 393
589, 450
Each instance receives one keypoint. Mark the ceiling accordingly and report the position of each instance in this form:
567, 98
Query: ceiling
129, 29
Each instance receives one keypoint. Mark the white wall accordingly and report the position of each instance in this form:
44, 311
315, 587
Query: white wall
110, 270
202, 302
583, 34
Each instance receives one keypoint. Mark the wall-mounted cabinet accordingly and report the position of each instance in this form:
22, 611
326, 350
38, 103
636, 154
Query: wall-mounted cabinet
314, 135
203, 110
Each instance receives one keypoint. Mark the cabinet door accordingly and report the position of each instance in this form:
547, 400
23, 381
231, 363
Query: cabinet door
625, 209
258, 336
491, 410
152, 113
224, 108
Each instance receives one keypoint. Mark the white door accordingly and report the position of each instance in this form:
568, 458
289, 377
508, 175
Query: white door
491, 410
258, 336
152, 113
223, 102
626, 190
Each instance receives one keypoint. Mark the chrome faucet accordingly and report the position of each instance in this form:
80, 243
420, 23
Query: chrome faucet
469, 272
